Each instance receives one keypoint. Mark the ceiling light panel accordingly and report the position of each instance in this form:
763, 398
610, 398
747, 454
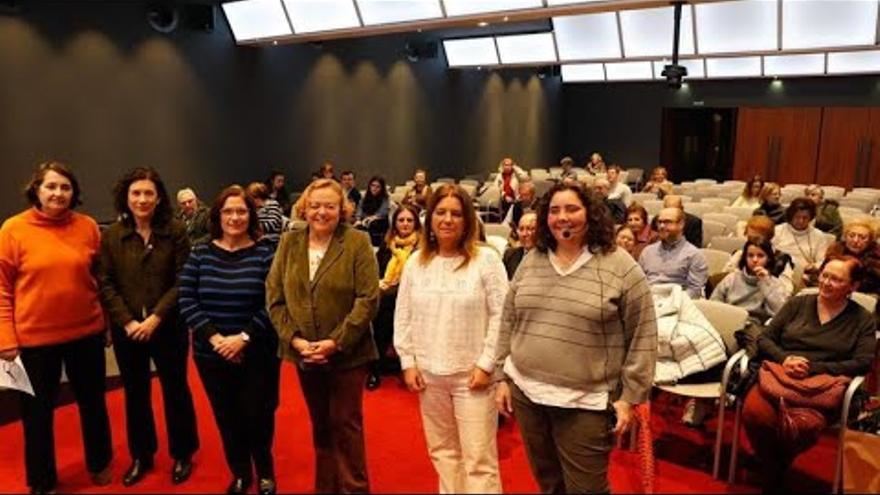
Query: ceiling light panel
628, 71
309, 16
526, 48
810, 64
648, 32
582, 72
466, 7
694, 68
733, 67
391, 11
255, 19
854, 62
828, 23
590, 36
470, 52
740, 26
568, 2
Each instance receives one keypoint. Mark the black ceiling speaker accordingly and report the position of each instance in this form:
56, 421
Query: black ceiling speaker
419, 50
163, 18
198, 17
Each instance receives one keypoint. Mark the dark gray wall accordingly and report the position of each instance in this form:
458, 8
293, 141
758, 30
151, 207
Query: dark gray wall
624, 120
90, 83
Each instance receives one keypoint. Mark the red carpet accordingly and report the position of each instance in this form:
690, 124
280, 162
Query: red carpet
398, 460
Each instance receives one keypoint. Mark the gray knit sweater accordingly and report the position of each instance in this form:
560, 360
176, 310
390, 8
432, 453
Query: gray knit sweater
592, 330
762, 299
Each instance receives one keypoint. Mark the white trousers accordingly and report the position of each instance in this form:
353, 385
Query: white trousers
460, 430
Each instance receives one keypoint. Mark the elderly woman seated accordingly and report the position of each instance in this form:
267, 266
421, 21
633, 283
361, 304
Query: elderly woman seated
796, 237
812, 340
860, 241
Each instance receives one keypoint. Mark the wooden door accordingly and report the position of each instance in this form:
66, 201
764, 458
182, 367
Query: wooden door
751, 153
843, 146
780, 144
870, 176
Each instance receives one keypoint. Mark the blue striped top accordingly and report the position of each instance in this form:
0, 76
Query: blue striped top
224, 292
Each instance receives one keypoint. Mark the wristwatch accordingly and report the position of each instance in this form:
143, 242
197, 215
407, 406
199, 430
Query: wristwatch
245, 337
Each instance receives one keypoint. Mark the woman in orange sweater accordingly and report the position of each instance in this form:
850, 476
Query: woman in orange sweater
50, 314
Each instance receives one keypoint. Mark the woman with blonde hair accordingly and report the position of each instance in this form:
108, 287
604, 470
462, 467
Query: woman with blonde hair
446, 330
322, 292
751, 194
860, 242
771, 206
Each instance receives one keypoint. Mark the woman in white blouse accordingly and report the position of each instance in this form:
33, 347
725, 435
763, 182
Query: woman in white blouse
799, 239
446, 329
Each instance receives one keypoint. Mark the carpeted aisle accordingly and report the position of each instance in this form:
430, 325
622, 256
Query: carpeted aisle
398, 460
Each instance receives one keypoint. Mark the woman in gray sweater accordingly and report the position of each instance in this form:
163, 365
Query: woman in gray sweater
578, 342
753, 287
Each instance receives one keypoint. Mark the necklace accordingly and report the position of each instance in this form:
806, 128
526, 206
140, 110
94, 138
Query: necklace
809, 257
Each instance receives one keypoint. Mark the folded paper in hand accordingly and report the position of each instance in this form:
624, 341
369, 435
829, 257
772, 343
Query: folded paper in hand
13, 376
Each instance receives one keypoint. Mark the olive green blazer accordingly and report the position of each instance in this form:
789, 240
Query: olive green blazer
338, 304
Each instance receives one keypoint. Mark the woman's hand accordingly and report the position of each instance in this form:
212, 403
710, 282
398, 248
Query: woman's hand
623, 410
148, 327
479, 379
414, 380
319, 352
9, 354
796, 366
503, 401
230, 347
761, 272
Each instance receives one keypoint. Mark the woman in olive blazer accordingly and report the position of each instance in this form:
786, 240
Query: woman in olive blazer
322, 292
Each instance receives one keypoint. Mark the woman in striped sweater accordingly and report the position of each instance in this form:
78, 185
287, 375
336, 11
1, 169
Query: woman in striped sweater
222, 298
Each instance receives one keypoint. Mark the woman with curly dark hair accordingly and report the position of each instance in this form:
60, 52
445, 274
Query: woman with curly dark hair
578, 342
142, 255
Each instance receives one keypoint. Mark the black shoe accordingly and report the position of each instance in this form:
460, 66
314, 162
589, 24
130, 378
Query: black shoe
373, 381
136, 472
181, 471
239, 485
43, 490
266, 486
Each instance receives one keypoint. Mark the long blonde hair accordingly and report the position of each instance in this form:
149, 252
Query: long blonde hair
467, 246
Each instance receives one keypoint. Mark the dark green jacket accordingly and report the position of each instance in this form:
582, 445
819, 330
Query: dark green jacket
197, 226
338, 304
137, 279
828, 218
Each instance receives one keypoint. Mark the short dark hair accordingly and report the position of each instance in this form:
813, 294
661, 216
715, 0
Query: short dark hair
798, 205
765, 246
216, 228
636, 207
600, 237
162, 214
392, 229
60, 168
346, 172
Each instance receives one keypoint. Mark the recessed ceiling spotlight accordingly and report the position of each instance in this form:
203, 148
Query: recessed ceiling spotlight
506, 18
482, 24
275, 43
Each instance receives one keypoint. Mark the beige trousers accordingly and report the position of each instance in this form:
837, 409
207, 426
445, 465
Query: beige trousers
460, 427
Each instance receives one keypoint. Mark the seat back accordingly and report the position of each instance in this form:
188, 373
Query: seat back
713, 229
501, 230
726, 219
715, 259
725, 243
725, 318
864, 300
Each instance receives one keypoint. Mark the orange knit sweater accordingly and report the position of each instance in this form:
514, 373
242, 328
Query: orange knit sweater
47, 292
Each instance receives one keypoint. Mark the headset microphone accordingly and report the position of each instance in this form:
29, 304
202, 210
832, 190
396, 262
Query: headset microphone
566, 234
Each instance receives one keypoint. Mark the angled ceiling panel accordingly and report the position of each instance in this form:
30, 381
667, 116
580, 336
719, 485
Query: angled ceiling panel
471, 52
854, 62
828, 23
810, 64
694, 68
590, 36
739, 26
466, 7
309, 16
390, 11
582, 72
628, 71
526, 48
733, 67
256, 19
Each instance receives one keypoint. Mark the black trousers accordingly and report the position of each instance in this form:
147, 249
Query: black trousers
383, 332
85, 365
244, 398
168, 349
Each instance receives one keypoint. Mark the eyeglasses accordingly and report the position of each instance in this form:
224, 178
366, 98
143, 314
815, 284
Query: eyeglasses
828, 277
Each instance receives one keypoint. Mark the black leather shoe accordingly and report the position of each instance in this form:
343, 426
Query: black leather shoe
239, 485
266, 486
136, 472
181, 471
45, 490
373, 381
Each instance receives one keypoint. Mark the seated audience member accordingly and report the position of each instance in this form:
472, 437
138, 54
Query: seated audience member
771, 207
659, 183
507, 181
528, 223
637, 221
349, 187
596, 165
326, 171
277, 191
760, 229
805, 244
754, 287
827, 216
372, 212
567, 164
860, 242
820, 336
751, 195
618, 190
616, 208
402, 239
693, 225
269, 214
526, 202
674, 260
625, 238
419, 194
193, 214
